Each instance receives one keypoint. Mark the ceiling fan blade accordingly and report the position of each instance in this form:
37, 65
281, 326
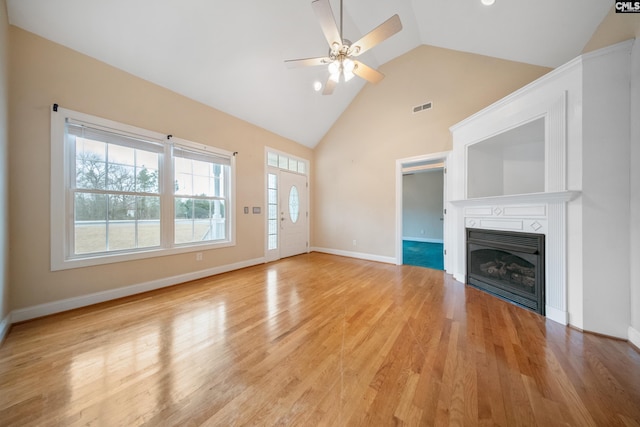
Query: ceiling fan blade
377, 35
322, 9
328, 87
367, 73
307, 62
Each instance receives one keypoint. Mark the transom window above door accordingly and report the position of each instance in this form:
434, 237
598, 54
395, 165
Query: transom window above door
285, 162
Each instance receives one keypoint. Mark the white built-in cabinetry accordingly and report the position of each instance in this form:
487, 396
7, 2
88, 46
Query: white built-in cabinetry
553, 158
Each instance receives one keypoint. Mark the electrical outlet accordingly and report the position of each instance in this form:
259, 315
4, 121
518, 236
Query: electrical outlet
355, 243
199, 256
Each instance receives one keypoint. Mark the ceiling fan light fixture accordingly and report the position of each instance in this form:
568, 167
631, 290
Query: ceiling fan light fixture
348, 65
317, 86
334, 67
348, 75
347, 69
334, 71
488, 2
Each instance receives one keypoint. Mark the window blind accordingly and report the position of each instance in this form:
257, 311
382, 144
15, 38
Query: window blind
87, 131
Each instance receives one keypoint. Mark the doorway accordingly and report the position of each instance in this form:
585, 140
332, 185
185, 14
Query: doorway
421, 221
423, 217
287, 201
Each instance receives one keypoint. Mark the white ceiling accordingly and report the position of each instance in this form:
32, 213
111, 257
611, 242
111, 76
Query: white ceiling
229, 54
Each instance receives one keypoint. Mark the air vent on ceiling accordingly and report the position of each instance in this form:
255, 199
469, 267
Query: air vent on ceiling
422, 107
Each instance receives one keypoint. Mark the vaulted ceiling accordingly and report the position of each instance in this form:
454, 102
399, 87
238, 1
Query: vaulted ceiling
230, 54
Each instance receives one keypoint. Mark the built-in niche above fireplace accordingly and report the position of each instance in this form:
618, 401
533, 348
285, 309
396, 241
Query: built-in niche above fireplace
508, 265
511, 162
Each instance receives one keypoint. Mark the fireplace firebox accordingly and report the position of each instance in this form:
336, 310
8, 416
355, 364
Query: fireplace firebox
509, 265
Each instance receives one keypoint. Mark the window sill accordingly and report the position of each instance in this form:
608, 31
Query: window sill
89, 261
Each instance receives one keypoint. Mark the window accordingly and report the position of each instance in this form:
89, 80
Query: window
121, 193
282, 161
294, 204
272, 214
114, 191
199, 201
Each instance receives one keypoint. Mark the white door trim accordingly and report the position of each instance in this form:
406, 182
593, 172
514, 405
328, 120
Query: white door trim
400, 164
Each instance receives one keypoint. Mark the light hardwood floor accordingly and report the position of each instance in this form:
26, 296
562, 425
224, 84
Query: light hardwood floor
314, 340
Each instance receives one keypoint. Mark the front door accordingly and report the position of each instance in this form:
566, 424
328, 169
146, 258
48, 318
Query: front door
293, 214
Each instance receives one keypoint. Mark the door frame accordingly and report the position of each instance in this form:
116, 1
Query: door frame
274, 254
443, 157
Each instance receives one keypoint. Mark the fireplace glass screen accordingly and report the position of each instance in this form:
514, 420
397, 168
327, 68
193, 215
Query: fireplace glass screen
509, 265
505, 267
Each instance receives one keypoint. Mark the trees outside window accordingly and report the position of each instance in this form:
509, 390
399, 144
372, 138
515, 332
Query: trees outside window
128, 191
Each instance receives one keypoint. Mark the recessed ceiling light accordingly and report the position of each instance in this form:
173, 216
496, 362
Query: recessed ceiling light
488, 2
317, 86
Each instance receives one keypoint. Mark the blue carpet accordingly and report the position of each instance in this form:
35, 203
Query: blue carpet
423, 254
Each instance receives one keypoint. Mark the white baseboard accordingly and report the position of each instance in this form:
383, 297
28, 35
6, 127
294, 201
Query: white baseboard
98, 297
460, 277
423, 240
556, 315
634, 336
5, 324
359, 255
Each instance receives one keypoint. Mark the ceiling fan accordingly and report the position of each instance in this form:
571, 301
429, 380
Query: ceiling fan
341, 51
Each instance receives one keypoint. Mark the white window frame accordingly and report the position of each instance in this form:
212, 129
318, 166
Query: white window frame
62, 216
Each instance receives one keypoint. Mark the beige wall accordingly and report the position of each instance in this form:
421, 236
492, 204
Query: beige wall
43, 73
355, 161
614, 28
4, 165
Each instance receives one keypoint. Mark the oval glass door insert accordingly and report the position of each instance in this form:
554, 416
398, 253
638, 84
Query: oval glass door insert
294, 204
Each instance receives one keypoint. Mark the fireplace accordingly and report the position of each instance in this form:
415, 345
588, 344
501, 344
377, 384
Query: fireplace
509, 265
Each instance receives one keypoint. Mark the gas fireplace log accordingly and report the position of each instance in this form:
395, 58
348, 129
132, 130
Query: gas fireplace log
525, 271
487, 265
497, 271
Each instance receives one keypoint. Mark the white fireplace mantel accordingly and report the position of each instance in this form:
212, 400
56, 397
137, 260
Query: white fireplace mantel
541, 213
519, 199
530, 213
